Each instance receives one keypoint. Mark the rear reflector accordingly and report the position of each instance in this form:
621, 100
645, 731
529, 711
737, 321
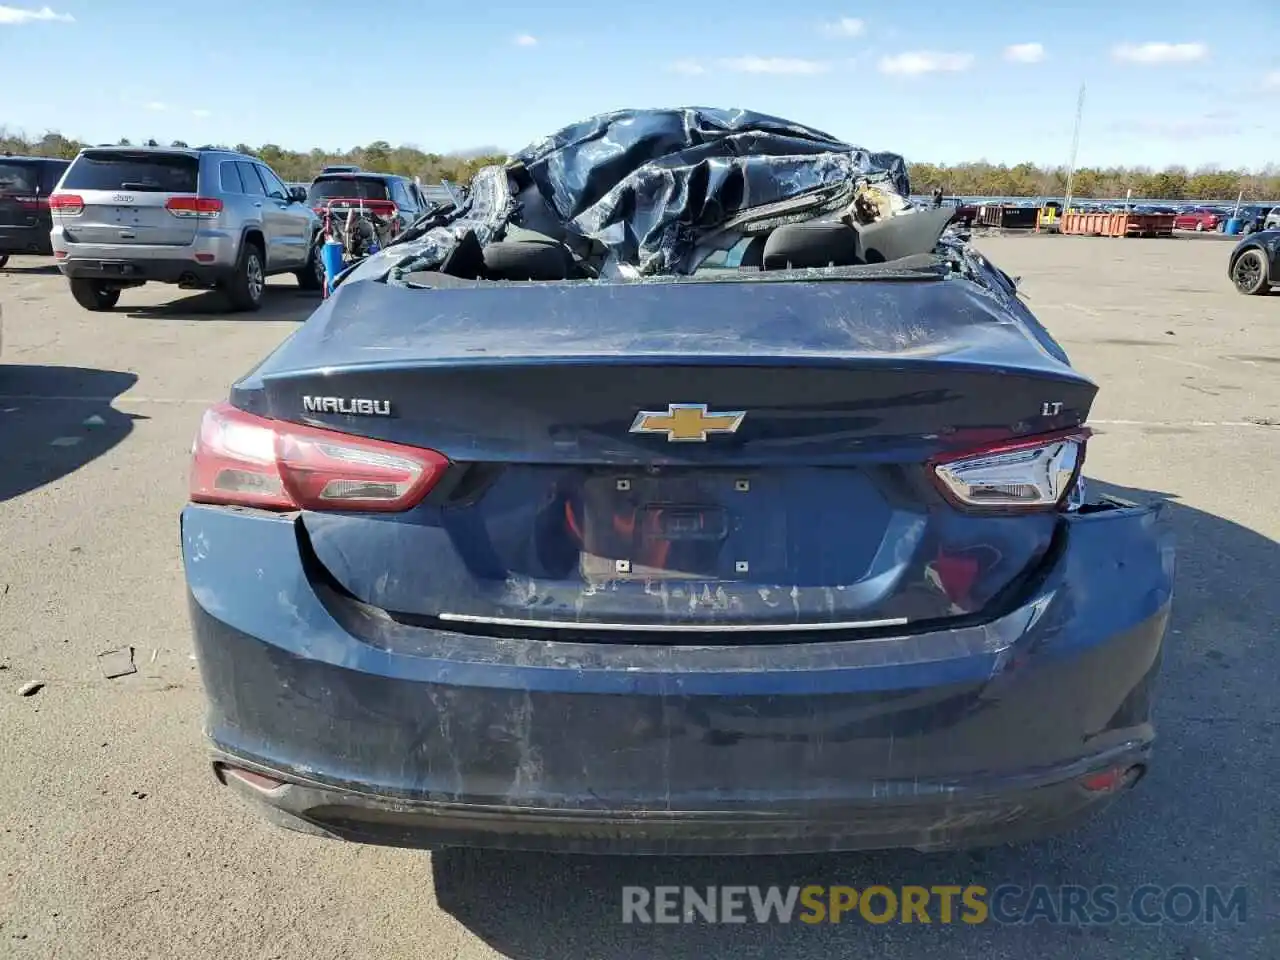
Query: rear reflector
245, 460
258, 781
1036, 473
67, 204
1117, 778
194, 208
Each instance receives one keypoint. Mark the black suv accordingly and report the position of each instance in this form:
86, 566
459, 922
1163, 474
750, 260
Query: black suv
25, 221
402, 192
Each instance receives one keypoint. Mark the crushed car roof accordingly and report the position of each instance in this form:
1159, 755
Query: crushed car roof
653, 189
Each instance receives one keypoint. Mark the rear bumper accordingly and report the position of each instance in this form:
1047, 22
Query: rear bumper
210, 257
175, 270
391, 734
1029, 808
29, 240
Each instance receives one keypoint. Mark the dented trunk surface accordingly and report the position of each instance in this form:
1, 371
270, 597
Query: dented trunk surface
393, 733
816, 512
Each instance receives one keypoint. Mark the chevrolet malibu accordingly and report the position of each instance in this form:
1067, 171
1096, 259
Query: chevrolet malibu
607, 511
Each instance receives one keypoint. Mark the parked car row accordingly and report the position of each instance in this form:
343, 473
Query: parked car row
118, 217
1252, 218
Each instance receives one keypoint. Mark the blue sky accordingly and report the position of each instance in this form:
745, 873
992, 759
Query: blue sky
1169, 81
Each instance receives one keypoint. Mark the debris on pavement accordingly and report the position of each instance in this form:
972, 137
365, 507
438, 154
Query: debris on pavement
94, 421
30, 688
117, 663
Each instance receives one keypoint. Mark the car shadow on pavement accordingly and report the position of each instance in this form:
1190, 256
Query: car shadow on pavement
278, 303
54, 420
32, 269
1201, 817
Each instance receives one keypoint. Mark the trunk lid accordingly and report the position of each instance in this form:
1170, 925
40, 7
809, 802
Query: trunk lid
125, 194
806, 507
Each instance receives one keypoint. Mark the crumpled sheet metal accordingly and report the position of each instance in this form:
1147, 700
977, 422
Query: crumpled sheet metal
651, 186
648, 184
486, 211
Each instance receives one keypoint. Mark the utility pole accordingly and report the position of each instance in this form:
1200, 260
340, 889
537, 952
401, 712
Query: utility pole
1075, 148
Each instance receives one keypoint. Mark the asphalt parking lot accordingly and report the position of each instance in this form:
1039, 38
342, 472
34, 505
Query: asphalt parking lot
116, 842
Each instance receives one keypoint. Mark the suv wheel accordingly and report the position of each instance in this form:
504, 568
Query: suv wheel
3, 260
94, 294
246, 286
311, 277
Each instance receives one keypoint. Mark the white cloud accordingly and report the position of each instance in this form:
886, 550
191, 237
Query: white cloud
1272, 80
690, 68
845, 27
925, 61
775, 65
1149, 53
200, 113
1024, 52
156, 106
13, 16
526, 40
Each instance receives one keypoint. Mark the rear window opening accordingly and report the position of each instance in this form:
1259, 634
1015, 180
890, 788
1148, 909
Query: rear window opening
138, 172
342, 188
902, 247
18, 179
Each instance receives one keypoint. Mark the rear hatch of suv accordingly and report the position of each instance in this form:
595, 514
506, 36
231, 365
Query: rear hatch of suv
130, 197
19, 192
345, 186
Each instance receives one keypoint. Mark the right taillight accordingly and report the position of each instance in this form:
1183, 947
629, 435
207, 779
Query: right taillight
194, 208
1034, 473
240, 459
67, 204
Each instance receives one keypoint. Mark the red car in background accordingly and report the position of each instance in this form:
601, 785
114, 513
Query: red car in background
1201, 220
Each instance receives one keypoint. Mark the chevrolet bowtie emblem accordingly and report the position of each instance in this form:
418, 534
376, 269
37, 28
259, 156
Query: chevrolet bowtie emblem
687, 422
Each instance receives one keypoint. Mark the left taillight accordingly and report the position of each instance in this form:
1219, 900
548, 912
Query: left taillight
194, 208
67, 204
245, 460
1031, 474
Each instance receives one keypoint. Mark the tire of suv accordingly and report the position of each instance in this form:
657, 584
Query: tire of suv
311, 277
94, 294
4, 258
245, 287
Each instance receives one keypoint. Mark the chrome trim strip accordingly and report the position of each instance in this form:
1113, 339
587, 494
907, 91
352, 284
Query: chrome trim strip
674, 627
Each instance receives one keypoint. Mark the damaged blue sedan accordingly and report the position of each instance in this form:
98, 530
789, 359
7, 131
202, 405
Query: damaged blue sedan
680, 487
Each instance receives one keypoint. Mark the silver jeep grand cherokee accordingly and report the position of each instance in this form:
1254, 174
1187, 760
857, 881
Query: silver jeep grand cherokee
200, 218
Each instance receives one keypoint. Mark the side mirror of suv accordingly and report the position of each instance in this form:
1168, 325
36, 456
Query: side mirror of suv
298, 194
